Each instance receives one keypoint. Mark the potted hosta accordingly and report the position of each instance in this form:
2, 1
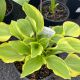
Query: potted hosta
6, 7
54, 12
37, 49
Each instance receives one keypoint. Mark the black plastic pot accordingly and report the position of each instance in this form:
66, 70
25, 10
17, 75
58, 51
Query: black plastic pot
16, 13
73, 5
8, 14
49, 22
37, 2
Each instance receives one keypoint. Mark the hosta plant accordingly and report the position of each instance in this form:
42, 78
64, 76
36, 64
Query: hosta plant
35, 44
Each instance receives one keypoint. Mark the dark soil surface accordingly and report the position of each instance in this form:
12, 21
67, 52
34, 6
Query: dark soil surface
38, 75
59, 14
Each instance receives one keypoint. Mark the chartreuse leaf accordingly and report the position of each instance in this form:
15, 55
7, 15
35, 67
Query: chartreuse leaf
33, 23
71, 29
21, 2
58, 29
20, 47
4, 32
44, 42
34, 13
25, 27
53, 51
58, 66
28, 40
31, 65
69, 44
36, 49
56, 38
8, 54
73, 61
2, 9
74, 73
15, 31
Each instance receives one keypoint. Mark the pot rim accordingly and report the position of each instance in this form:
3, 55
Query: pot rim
65, 1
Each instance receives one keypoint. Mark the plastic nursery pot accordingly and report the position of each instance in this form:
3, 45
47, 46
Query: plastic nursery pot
60, 15
73, 5
37, 2
9, 8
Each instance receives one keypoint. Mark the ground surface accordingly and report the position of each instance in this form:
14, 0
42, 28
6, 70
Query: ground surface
8, 72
